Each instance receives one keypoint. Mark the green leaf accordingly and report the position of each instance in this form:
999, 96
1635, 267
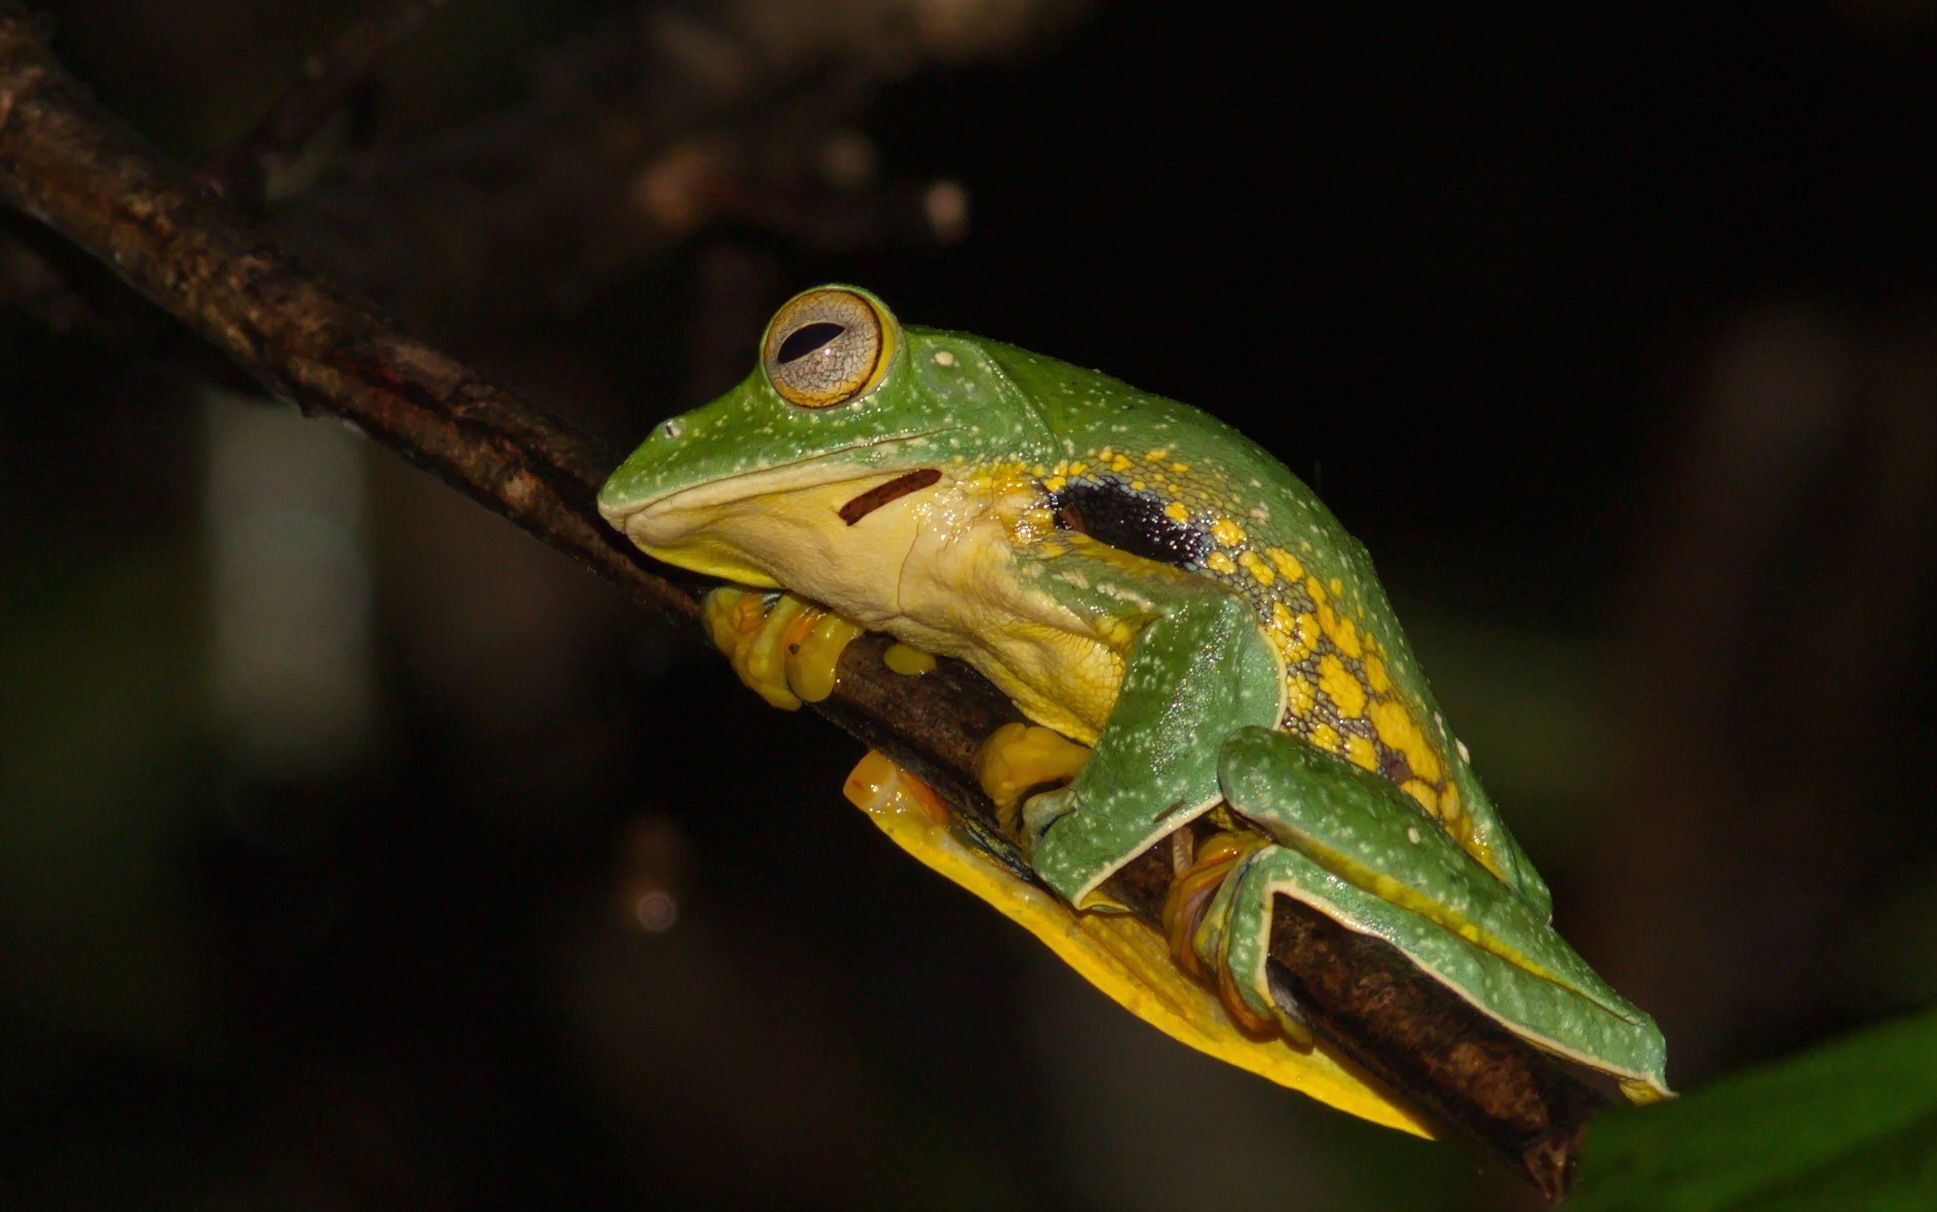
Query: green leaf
1849, 1125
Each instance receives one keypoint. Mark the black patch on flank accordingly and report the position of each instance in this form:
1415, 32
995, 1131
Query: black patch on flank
806, 339
1128, 521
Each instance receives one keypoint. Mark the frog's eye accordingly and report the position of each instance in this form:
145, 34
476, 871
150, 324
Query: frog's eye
827, 347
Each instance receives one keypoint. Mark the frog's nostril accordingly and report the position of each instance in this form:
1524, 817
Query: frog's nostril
672, 429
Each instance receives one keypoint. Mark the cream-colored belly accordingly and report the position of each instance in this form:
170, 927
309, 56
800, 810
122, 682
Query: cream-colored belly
936, 570
959, 594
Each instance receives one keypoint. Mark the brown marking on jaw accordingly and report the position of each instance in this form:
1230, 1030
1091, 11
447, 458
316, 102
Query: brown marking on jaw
874, 498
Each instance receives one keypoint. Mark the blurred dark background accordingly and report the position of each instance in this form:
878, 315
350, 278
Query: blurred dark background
356, 851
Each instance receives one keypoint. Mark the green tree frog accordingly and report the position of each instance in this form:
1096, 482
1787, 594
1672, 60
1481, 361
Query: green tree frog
1144, 580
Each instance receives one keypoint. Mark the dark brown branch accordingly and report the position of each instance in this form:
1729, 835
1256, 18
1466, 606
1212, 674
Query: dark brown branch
76, 169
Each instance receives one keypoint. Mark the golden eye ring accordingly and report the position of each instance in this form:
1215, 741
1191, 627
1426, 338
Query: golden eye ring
828, 346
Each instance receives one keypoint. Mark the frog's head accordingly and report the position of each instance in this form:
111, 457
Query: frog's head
822, 452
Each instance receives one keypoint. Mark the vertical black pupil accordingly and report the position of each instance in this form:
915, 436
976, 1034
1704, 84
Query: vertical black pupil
806, 339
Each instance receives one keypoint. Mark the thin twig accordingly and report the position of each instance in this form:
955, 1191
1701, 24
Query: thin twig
73, 167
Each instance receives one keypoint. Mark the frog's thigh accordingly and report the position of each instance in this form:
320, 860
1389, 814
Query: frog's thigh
1314, 803
1237, 927
1197, 672
1362, 825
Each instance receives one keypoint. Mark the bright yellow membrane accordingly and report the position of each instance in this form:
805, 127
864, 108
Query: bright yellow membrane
1121, 955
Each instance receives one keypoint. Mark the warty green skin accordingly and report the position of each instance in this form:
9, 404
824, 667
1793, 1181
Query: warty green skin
1203, 698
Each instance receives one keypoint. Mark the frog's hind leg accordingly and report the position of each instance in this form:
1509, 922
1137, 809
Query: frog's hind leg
1302, 800
1233, 939
1193, 899
1355, 848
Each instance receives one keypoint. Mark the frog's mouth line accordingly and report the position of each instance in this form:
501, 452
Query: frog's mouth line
647, 521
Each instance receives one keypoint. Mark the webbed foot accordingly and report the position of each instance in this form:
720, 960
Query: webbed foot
784, 648
1018, 759
1190, 895
907, 660
1232, 939
1198, 938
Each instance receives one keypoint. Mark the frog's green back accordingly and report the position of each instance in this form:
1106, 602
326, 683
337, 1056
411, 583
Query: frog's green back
1165, 481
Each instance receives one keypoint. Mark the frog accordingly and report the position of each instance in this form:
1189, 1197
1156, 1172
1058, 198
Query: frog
1163, 595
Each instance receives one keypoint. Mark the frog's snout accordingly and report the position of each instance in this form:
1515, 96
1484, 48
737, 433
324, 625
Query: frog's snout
633, 486
614, 502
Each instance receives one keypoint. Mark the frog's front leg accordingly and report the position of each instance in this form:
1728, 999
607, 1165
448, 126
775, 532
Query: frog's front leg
1197, 670
1358, 850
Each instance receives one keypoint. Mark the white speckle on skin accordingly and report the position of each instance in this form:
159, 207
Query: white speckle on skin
944, 358
1465, 755
1412, 834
